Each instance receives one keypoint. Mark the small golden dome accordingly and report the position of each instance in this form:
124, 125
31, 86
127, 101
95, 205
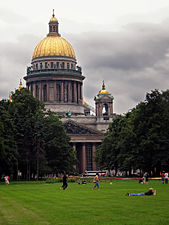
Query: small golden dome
103, 91
53, 46
53, 19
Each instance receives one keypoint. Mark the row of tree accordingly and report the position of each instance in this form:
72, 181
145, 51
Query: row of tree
140, 138
32, 142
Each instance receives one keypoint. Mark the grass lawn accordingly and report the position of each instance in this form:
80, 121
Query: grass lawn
39, 203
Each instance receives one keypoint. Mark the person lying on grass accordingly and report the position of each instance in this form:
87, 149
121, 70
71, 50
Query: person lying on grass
150, 192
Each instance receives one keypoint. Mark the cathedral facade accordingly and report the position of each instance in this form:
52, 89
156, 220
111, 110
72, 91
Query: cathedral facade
56, 80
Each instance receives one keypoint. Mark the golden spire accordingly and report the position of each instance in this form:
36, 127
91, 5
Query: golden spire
53, 13
103, 86
53, 19
20, 85
103, 91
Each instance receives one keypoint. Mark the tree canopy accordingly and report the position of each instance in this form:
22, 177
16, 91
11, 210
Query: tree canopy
140, 138
33, 142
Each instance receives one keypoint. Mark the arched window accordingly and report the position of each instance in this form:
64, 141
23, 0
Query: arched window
105, 109
68, 66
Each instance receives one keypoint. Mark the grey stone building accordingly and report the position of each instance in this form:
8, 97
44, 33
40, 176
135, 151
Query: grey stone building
55, 79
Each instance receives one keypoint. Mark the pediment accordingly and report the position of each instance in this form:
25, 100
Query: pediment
74, 128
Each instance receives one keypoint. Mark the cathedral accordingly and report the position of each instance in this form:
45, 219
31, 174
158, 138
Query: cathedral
55, 79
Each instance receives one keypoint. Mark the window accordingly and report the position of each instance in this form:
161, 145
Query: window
50, 28
105, 110
51, 65
41, 66
54, 28
68, 66
63, 65
57, 65
36, 66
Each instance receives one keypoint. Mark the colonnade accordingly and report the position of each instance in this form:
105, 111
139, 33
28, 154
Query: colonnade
85, 153
57, 91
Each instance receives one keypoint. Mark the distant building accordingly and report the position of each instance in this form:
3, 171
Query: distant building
55, 79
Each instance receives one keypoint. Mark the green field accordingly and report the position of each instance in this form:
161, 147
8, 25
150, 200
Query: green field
40, 203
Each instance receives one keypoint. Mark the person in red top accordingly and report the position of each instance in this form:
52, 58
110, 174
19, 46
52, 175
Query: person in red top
162, 177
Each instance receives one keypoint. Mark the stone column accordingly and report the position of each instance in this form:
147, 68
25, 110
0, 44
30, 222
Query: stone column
101, 109
83, 158
75, 92
79, 92
93, 156
96, 109
74, 149
34, 90
111, 108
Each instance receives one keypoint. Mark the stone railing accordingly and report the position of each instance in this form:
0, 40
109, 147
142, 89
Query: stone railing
31, 71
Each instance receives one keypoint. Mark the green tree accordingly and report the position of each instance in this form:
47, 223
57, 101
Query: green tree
107, 152
151, 128
8, 149
26, 111
139, 139
60, 154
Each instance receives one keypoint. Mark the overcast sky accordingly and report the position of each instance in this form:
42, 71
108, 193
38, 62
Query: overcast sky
124, 42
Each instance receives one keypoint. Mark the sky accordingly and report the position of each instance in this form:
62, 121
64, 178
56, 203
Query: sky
124, 42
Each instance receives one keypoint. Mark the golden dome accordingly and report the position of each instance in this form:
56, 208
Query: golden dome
103, 91
53, 19
53, 46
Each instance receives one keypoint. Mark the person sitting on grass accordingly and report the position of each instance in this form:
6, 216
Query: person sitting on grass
150, 192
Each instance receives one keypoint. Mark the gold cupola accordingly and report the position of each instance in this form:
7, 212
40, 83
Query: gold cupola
53, 19
103, 90
53, 44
